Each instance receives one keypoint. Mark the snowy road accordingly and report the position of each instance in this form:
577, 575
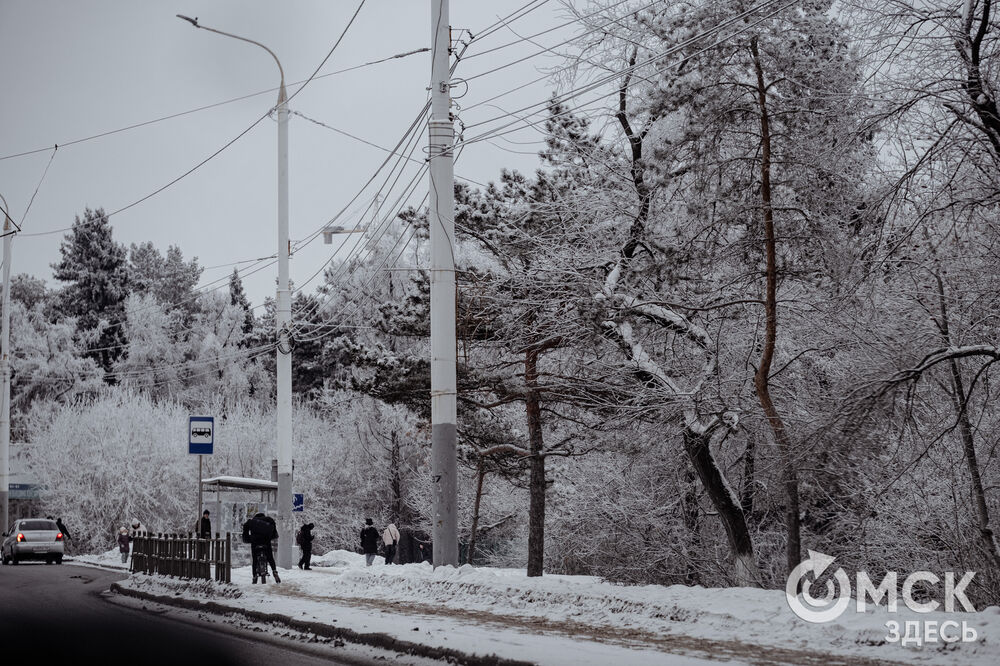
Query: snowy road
63, 612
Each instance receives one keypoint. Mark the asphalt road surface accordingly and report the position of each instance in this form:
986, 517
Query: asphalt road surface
50, 613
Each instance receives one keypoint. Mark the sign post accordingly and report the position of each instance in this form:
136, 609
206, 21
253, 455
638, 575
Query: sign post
201, 442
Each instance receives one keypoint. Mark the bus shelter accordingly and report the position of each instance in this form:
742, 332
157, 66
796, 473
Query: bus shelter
233, 500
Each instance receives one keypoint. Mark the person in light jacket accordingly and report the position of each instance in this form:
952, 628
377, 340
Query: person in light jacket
138, 529
390, 537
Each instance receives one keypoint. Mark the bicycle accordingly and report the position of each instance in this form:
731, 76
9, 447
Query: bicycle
259, 560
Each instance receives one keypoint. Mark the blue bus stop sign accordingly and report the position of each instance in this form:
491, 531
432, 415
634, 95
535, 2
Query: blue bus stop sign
298, 502
201, 435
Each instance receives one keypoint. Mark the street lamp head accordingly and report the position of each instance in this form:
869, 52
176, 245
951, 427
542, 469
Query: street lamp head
192, 21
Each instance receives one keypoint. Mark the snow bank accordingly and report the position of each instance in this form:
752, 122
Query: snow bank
648, 615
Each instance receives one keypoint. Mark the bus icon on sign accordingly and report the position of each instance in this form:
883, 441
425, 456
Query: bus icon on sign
201, 432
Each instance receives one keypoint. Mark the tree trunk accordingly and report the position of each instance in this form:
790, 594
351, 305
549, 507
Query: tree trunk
396, 482
960, 400
536, 510
697, 446
480, 473
793, 550
749, 465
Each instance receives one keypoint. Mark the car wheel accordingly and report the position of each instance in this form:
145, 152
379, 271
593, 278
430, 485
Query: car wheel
13, 558
58, 559
6, 560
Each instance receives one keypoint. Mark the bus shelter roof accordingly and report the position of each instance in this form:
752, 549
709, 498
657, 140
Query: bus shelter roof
239, 483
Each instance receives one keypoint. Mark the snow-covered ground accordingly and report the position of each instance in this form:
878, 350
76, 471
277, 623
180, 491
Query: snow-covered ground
573, 620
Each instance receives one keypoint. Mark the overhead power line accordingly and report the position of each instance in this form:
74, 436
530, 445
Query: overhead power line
101, 135
231, 142
572, 94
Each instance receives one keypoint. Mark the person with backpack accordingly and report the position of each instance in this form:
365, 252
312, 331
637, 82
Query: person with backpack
304, 538
369, 542
259, 531
390, 537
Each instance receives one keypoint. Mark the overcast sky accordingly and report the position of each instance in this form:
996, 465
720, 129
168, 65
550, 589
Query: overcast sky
73, 69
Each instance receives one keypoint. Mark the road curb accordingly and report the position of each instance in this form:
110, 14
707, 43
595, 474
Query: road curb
377, 640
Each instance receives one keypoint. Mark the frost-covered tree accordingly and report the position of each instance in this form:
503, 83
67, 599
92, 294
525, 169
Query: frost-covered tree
95, 271
238, 297
170, 279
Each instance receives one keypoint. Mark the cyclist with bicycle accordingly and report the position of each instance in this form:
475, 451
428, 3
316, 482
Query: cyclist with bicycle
259, 531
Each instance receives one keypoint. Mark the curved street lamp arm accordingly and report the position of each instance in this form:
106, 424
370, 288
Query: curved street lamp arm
194, 22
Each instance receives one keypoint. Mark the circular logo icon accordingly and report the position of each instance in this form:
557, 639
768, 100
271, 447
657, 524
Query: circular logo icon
818, 609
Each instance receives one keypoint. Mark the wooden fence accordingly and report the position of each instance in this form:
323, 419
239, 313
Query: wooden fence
184, 556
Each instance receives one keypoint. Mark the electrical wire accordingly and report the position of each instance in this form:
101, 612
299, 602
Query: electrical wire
330, 53
40, 181
521, 40
500, 23
101, 135
228, 144
555, 46
617, 73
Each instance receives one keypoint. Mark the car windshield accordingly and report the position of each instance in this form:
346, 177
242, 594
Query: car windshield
37, 525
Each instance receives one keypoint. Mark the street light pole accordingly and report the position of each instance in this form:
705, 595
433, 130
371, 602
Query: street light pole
283, 320
5, 371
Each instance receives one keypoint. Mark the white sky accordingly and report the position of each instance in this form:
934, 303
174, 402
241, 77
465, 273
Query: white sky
72, 69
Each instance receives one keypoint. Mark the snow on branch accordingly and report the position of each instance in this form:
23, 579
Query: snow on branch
622, 332
929, 361
941, 355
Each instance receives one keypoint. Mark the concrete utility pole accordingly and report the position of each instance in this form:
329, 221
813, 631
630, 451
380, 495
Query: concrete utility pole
283, 319
5, 371
443, 344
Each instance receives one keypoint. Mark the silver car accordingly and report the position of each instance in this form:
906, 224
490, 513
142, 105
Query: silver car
33, 539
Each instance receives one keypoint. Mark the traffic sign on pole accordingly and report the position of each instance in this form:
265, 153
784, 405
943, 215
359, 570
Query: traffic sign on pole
201, 435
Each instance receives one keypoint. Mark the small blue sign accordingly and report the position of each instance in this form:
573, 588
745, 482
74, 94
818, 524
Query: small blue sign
201, 435
298, 502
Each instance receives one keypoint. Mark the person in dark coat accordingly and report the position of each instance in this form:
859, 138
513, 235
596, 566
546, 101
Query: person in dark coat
305, 541
259, 531
205, 526
369, 541
123, 543
65, 532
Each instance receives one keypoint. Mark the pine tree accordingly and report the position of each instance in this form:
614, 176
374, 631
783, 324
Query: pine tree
95, 270
238, 297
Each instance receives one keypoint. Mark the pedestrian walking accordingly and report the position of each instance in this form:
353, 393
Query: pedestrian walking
205, 526
390, 537
369, 542
123, 543
270, 549
304, 538
259, 531
65, 532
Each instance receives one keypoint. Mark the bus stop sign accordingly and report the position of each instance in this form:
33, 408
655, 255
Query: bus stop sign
201, 435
